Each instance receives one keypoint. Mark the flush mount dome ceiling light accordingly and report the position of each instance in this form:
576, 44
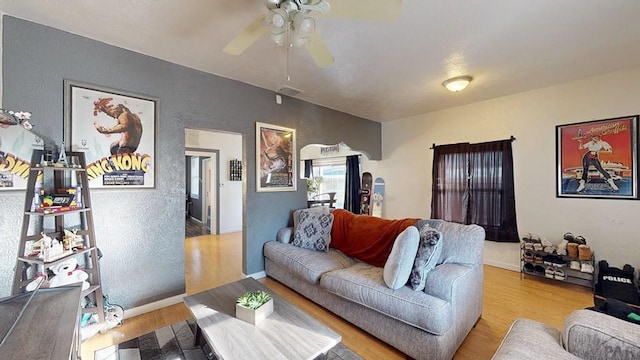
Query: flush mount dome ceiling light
457, 83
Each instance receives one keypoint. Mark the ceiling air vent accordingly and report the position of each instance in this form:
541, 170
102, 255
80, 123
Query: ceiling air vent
289, 91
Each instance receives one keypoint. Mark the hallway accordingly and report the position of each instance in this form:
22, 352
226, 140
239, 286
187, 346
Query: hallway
194, 228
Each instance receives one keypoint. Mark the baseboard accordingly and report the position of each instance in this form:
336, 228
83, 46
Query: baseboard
503, 265
139, 310
258, 275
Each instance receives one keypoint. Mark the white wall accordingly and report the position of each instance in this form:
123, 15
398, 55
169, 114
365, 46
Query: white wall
230, 147
611, 227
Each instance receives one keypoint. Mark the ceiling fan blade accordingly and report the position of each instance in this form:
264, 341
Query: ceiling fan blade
373, 10
247, 37
319, 50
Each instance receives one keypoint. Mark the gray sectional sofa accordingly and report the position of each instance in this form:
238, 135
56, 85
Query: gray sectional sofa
429, 324
586, 335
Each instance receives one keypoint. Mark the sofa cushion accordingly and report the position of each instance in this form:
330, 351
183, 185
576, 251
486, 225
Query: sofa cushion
363, 284
397, 269
313, 231
427, 256
306, 264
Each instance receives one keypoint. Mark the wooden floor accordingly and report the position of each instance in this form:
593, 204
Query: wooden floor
194, 228
213, 260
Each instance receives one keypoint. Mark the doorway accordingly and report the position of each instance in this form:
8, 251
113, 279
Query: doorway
202, 193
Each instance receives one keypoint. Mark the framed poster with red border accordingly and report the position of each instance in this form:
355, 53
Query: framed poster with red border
598, 159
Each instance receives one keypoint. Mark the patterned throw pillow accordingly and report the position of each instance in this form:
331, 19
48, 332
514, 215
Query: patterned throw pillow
313, 231
429, 252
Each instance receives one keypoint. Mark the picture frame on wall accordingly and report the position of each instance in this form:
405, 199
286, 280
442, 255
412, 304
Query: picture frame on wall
275, 158
598, 159
116, 130
17, 143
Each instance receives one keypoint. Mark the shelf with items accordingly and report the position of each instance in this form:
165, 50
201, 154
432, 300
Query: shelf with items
550, 265
57, 244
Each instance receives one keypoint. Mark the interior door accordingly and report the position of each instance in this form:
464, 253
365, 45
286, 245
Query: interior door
206, 187
209, 189
209, 184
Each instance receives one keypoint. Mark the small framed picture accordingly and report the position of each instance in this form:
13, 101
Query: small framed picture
276, 158
598, 159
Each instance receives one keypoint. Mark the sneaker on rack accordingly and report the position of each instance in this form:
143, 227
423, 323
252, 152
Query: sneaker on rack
545, 242
549, 272
580, 240
548, 259
584, 252
529, 256
562, 247
528, 241
538, 269
586, 267
574, 265
538, 259
528, 268
558, 261
572, 249
560, 275
568, 236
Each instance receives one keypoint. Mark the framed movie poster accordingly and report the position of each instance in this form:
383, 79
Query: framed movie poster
275, 158
598, 159
116, 131
17, 143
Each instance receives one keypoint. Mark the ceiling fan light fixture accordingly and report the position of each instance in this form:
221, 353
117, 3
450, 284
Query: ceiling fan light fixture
457, 83
307, 25
273, 4
277, 19
302, 28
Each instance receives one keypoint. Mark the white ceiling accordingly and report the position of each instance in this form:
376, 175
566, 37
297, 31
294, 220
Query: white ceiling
382, 71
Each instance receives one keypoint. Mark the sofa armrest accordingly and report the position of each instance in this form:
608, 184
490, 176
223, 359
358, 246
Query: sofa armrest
592, 335
443, 280
528, 339
285, 235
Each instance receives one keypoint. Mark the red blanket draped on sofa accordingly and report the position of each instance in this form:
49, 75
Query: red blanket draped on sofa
366, 238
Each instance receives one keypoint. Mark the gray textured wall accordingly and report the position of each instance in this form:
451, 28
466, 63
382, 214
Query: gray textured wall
141, 232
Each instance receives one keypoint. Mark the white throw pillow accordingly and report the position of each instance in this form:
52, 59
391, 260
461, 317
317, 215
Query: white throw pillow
400, 262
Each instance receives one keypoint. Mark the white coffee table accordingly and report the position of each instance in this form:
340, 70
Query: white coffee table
288, 333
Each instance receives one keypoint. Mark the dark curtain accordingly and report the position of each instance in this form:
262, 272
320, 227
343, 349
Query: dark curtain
308, 169
352, 185
473, 184
450, 193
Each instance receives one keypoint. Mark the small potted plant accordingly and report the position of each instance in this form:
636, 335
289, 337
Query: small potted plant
254, 306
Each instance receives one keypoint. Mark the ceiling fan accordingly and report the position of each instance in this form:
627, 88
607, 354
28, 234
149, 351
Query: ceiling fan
290, 23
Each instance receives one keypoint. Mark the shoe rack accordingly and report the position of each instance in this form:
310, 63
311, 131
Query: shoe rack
575, 265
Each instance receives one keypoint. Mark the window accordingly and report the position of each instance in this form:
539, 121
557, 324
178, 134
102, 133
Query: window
195, 177
331, 174
473, 184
